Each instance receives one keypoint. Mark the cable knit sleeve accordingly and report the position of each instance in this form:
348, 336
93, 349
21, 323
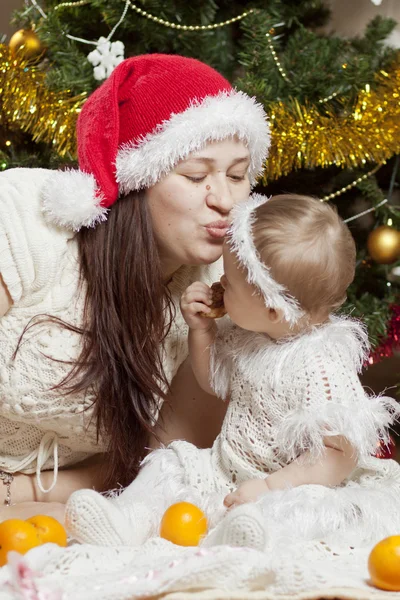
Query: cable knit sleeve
30, 249
330, 398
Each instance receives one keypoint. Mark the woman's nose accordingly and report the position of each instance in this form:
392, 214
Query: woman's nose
220, 197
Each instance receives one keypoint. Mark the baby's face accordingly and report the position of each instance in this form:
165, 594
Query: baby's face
243, 301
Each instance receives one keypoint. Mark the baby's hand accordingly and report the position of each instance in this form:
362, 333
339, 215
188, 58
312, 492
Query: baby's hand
196, 299
249, 491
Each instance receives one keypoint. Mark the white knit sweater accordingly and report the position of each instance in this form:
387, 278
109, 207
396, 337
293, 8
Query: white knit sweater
40, 427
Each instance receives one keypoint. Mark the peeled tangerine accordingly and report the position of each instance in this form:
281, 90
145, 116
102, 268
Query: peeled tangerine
384, 564
21, 536
183, 524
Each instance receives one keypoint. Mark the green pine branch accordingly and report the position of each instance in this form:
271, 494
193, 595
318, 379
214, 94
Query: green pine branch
316, 65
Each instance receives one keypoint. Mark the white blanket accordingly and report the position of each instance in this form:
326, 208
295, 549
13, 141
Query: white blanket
82, 572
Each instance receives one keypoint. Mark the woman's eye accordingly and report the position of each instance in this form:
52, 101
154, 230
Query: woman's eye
237, 177
196, 179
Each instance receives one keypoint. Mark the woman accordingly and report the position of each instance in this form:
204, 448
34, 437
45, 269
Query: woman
93, 263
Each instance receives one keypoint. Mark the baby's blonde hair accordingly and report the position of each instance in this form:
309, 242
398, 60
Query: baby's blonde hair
308, 249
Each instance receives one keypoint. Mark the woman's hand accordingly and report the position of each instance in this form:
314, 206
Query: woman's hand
249, 491
25, 510
196, 299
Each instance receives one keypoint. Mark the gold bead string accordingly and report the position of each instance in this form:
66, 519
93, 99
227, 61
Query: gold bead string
282, 70
328, 98
160, 21
151, 17
353, 184
275, 55
72, 4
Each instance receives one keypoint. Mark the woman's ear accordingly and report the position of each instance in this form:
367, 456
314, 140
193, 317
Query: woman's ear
275, 315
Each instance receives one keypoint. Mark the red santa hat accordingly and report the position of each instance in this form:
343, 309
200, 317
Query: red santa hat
152, 112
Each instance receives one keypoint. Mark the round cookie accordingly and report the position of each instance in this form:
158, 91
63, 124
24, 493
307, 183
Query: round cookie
217, 307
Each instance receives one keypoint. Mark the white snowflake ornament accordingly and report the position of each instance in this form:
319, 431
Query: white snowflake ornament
106, 57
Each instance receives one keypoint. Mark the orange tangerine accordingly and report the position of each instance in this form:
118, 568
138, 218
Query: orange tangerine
384, 564
183, 524
18, 535
49, 529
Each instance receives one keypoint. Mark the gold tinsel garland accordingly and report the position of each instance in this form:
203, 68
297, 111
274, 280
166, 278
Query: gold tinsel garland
27, 104
302, 135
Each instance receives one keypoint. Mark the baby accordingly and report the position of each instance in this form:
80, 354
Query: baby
294, 459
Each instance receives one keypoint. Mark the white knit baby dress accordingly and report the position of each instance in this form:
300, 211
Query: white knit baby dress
284, 398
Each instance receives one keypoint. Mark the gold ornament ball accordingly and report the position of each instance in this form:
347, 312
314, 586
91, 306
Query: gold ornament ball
26, 44
384, 245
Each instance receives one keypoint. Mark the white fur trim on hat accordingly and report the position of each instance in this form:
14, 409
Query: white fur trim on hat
141, 165
70, 199
240, 239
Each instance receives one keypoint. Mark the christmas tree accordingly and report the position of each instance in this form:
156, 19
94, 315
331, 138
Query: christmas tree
333, 104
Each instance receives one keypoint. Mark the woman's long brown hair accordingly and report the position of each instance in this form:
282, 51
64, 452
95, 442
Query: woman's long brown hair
127, 315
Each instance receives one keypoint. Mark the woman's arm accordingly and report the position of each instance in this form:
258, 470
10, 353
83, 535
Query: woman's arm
26, 510
27, 499
87, 474
24, 488
189, 413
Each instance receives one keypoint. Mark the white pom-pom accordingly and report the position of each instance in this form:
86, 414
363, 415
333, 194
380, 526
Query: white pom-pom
69, 199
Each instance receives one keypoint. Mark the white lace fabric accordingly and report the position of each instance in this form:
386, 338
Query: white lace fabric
40, 428
161, 570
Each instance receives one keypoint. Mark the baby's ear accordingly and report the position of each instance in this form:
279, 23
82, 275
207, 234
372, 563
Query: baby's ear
275, 315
